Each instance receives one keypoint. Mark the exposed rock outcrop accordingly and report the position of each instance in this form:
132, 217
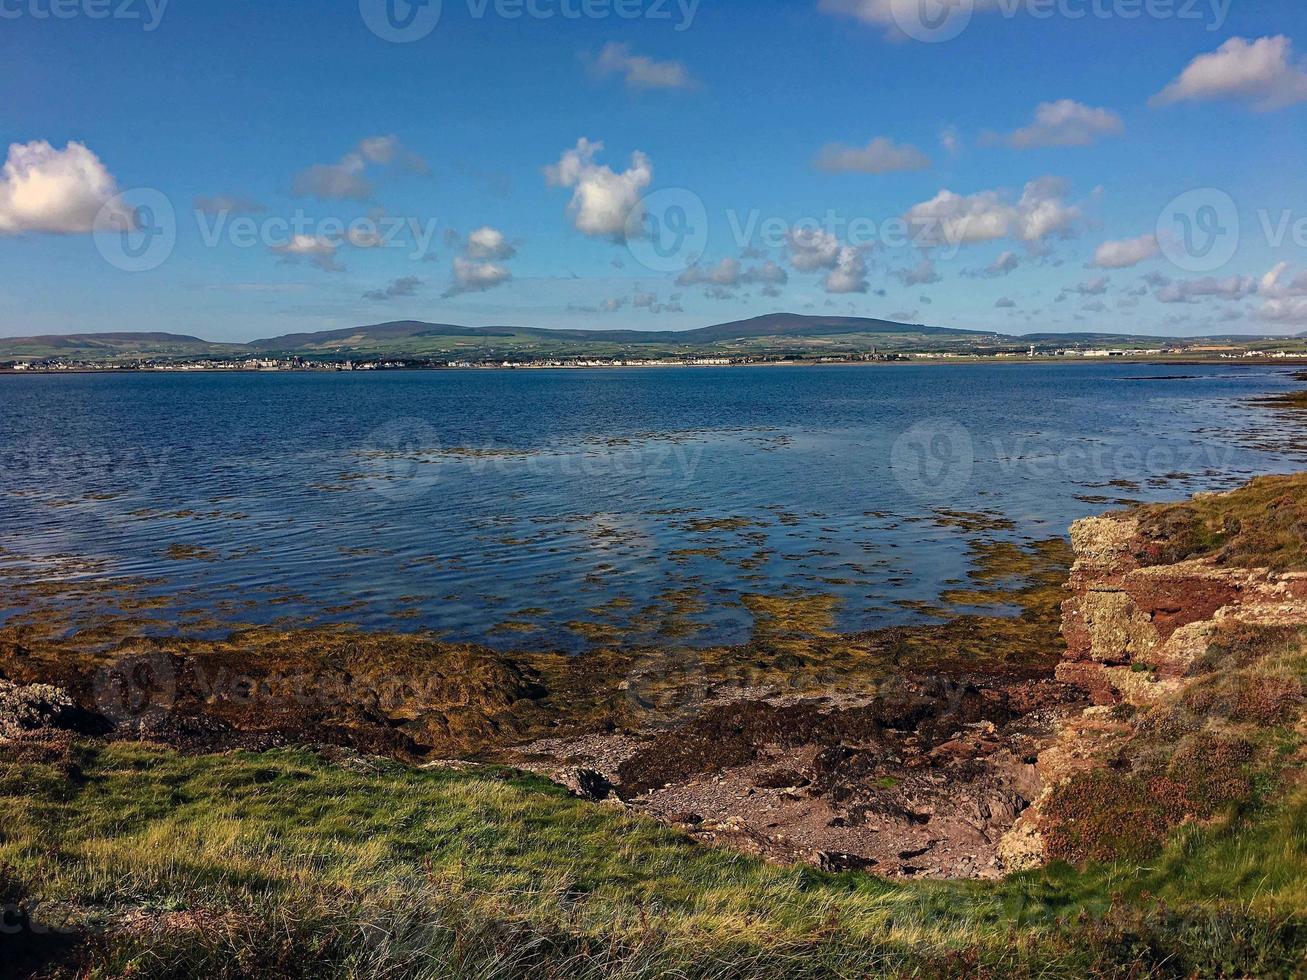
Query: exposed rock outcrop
1160, 647
1134, 630
29, 709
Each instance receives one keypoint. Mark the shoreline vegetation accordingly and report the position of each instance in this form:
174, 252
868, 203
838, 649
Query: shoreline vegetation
1104, 777
202, 834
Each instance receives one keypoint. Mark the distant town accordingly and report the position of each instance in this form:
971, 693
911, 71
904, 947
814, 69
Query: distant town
328, 363
781, 338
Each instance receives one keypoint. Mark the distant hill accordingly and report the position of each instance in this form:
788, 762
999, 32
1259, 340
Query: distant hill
399, 330
775, 333
111, 345
108, 340
795, 325
772, 325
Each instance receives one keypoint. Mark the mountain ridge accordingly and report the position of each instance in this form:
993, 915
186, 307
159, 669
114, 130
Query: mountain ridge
423, 338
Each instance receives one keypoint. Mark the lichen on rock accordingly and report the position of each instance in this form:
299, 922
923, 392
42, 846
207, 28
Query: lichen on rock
25, 709
1193, 643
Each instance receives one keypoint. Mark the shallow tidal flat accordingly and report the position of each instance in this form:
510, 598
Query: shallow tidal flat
570, 513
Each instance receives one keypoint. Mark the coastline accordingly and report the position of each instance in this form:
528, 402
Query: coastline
911, 767
1290, 362
1012, 793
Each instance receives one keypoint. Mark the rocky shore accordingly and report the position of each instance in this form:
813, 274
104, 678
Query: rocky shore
968, 750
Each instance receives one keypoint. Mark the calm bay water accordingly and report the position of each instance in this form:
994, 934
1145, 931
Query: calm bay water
551, 508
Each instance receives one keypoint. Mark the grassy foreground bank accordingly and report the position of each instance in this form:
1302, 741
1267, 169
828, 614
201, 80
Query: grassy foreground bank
154, 864
126, 859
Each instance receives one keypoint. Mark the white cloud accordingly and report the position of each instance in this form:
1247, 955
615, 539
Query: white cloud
1292, 310
604, 204
1273, 285
1041, 213
54, 191
347, 180
954, 219
1126, 253
642, 300
724, 273
1005, 303
1193, 290
642, 72
1286, 301
403, 286
1067, 123
1263, 73
480, 266
923, 274
812, 249
1094, 287
769, 273
489, 243
388, 150
639, 299
881, 156
318, 251
476, 277
729, 273
850, 272
1006, 264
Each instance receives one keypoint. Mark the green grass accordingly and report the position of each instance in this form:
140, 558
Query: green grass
285, 863
1262, 524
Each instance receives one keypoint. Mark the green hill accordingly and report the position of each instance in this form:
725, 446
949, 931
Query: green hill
773, 334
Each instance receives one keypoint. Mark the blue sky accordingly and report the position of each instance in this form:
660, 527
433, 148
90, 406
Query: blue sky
309, 138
